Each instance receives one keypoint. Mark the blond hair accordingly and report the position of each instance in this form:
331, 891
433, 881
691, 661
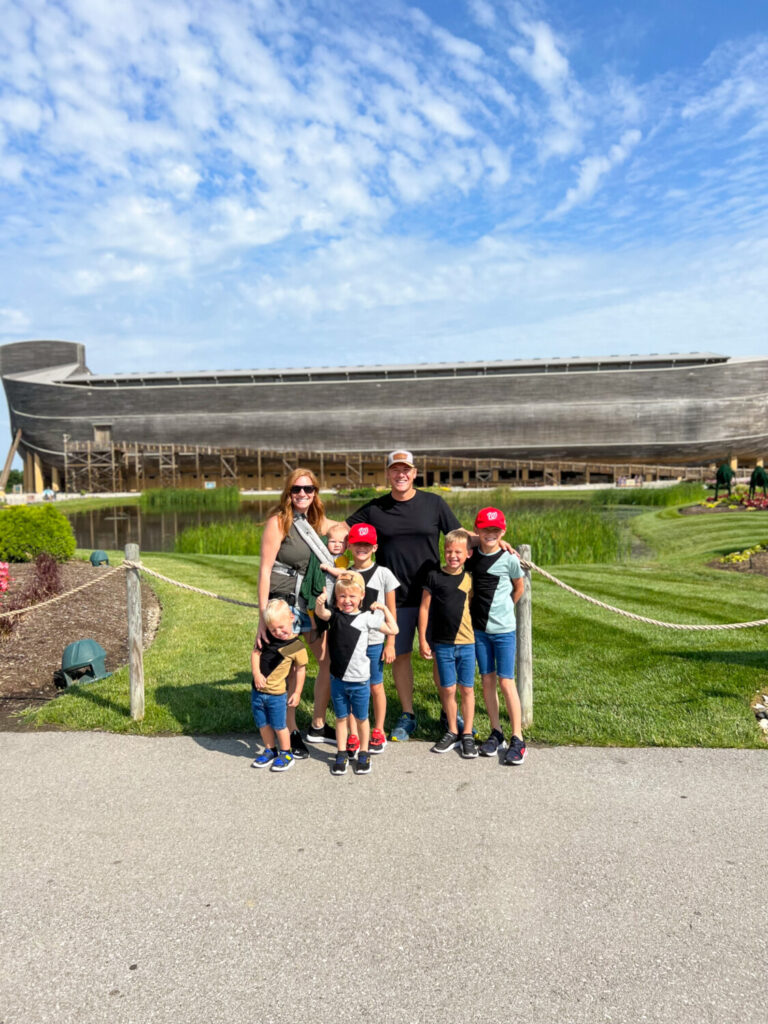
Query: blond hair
338, 529
275, 608
456, 535
350, 581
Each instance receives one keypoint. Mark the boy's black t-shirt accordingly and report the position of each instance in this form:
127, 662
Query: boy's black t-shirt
348, 643
449, 608
276, 660
408, 538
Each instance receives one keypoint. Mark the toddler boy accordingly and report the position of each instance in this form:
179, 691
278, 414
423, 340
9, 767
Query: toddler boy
497, 586
380, 586
445, 599
348, 639
336, 542
282, 652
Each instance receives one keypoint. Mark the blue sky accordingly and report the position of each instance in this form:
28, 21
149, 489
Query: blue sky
187, 185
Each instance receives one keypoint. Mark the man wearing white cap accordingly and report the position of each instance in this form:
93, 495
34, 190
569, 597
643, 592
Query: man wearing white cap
408, 526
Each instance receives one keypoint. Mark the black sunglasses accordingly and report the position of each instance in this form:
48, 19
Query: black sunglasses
300, 488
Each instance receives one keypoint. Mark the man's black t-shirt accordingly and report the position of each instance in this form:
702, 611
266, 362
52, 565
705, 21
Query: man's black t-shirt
408, 537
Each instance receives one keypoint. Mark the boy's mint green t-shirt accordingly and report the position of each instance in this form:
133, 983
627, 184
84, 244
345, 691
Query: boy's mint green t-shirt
491, 607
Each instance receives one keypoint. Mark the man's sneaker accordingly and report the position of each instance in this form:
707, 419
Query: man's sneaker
468, 748
265, 758
339, 766
378, 741
493, 744
298, 746
363, 762
321, 734
404, 728
282, 762
516, 752
353, 745
448, 742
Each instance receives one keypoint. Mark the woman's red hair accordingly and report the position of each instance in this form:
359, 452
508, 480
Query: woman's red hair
284, 509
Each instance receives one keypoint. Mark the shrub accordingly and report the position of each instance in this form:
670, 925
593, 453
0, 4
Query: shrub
45, 583
47, 579
28, 530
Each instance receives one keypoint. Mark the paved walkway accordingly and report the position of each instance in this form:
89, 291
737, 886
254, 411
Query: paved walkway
164, 880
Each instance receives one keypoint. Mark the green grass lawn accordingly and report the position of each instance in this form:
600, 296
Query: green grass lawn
598, 679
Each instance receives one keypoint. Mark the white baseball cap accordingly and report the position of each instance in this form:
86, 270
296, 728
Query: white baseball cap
400, 455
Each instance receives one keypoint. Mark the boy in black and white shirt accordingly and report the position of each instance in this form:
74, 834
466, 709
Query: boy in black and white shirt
380, 586
348, 639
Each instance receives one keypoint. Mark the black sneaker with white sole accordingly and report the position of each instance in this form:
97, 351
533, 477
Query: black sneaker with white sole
339, 766
493, 744
298, 746
363, 763
516, 753
448, 742
321, 734
468, 748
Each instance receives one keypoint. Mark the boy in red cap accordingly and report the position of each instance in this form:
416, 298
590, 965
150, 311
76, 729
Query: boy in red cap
380, 587
497, 586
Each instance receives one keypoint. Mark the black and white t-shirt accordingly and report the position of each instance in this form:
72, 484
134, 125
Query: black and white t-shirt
348, 644
408, 537
379, 581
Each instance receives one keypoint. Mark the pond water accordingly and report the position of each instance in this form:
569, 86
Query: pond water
115, 526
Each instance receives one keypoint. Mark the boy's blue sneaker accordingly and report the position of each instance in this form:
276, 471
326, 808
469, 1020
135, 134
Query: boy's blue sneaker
405, 726
363, 763
283, 761
265, 758
339, 766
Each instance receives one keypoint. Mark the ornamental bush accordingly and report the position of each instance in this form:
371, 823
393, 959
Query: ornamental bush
27, 531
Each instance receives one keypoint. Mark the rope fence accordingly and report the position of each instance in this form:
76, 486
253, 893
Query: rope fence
132, 566
526, 565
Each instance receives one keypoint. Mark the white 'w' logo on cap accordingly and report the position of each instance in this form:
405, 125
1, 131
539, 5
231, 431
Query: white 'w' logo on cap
492, 515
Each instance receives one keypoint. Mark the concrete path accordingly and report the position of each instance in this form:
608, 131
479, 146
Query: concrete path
164, 880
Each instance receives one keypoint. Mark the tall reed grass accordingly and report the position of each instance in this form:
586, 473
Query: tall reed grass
684, 493
188, 499
558, 532
233, 537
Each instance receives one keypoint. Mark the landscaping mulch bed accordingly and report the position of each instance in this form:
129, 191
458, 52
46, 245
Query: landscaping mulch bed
31, 654
703, 510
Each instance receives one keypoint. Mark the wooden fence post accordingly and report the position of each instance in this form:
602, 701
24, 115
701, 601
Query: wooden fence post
135, 648
524, 655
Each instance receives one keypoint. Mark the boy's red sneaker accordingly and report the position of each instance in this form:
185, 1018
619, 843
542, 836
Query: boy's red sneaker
378, 741
353, 745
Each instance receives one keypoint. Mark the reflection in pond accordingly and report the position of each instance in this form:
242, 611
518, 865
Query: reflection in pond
115, 526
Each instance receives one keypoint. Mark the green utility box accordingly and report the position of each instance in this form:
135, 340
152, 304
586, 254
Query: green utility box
83, 662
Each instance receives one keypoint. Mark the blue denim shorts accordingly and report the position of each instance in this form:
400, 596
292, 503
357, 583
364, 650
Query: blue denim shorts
496, 653
302, 623
375, 652
455, 664
408, 623
349, 698
269, 708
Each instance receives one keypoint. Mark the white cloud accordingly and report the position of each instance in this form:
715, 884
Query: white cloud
12, 321
543, 60
593, 169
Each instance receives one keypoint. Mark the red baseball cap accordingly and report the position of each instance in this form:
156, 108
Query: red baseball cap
490, 517
362, 533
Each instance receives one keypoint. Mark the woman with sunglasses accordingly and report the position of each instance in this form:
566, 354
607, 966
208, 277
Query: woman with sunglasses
285, 556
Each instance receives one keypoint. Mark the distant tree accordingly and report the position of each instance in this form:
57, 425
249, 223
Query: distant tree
14, 477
